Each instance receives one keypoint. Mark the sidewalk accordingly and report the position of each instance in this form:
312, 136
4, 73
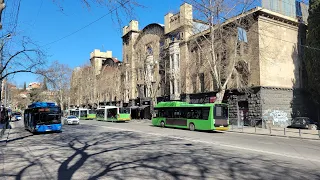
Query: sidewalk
3, 142
282, 132
4, 133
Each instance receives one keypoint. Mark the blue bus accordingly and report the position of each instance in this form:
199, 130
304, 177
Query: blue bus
43, 117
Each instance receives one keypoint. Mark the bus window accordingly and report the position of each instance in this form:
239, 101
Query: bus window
205, 113
220, 112
176, 113
100, 113
183, 112
83, 113
194, 113
160, 112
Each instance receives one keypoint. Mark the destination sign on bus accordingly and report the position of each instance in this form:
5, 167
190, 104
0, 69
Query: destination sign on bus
44, 110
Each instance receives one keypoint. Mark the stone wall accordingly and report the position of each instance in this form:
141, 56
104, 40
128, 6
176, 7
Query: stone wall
253, 101
280, 105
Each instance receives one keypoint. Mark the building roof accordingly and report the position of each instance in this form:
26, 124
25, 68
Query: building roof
263, 11
115, 60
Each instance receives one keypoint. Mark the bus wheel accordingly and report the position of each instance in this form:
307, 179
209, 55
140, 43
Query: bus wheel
191, 127
34, 132
162, 124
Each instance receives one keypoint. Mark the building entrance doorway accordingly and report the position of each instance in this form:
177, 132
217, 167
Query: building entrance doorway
244, 113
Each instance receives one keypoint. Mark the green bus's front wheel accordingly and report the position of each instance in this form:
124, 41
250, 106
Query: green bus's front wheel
192, 127
162, 124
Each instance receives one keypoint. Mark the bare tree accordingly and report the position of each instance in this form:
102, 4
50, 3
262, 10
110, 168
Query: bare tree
59, 76
116, 9
82, 85
75, 86
86, 84
25, 57
109, 83
219, 44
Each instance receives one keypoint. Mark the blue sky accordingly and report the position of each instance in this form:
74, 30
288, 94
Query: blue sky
44, 22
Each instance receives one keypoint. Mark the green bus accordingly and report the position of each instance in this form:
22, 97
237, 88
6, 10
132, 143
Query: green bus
113, 113
212, 116
83, 113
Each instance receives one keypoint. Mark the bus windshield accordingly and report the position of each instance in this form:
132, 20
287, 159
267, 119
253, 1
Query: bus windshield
51, 115
221, 111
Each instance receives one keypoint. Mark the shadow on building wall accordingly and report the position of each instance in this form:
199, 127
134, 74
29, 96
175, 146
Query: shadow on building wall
302, 103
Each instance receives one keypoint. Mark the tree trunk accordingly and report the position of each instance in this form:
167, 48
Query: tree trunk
2, 6
220, 95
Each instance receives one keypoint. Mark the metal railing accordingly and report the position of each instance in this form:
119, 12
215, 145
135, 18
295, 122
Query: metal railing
275, 131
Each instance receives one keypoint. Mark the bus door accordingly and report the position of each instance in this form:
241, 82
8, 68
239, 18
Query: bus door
100, 114
83, 114
112, 114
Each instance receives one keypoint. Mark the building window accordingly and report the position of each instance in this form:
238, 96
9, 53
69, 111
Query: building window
173, 90
161, 43
127, 58
201, 78
149, 50
246, 48
178, 63
141, 74
137, 74
171, 61
201, 56
145, 91
127, 76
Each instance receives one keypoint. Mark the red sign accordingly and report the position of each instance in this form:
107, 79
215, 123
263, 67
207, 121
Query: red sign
212, 99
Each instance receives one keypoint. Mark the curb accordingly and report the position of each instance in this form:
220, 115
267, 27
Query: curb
283, 136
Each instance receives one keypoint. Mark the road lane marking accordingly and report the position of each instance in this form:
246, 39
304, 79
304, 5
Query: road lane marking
213, 143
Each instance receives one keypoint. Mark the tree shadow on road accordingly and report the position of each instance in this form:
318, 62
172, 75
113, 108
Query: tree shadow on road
206, 131
90, 154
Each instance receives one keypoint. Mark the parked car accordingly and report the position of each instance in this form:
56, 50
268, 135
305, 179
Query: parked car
304, 123
71, 120
17, 117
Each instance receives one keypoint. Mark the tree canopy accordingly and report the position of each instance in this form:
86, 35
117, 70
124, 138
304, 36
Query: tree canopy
312, 50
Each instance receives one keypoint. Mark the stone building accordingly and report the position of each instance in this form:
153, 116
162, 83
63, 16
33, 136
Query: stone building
141, 57
165, 61
98, 83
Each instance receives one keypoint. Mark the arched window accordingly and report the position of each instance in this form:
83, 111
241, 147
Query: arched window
149, 50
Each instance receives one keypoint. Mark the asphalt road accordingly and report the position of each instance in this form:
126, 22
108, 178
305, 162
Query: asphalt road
136, 150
